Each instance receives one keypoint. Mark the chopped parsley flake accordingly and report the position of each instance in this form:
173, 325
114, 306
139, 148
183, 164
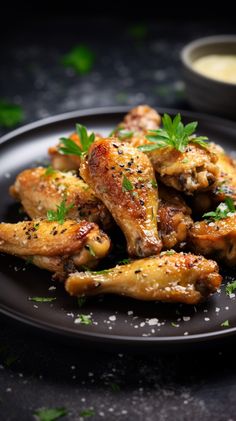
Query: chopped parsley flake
225, 323
85, 319
230, 288
42, 299
126, 184
223, 210
50, 414
81, 59
10, 114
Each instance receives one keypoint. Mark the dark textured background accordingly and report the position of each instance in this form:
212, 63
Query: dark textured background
36, 372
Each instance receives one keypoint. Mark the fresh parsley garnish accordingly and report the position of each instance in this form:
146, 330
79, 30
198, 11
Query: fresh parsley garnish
50, 414
126, 184
223, 210
124, 134
154, 184
85, 319
174, 324
42, 299
69, 147
81, 301
61, 212
10, 114
230, 288
173, 134
87, 413
225, 323
81, 58
49, 171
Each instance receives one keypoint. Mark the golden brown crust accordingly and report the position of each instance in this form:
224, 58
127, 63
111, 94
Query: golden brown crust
216, 239
39, 192
174, 220
82, 242
172, 278
141, 119
109, 164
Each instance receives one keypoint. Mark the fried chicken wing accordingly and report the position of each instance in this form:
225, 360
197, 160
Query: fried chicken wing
55, 246
122, 177
40, 191
178, 277
216, 239
174, 218
139, 120
225, 185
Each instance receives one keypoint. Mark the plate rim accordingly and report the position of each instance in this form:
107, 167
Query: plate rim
103, 337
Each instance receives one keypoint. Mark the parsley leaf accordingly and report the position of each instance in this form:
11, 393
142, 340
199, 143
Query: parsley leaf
50, 414
90, 249
49, 171
154, 184
42, 299
87, 413
225, 323
61, 212
126, 184
69, 147
230, 288
173, 134
85, 319
223, 210
81, 58
10, 114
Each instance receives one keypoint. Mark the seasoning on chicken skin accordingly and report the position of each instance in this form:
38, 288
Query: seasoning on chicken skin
139, 120
122, 177
174, 218
40, 192
178, 277
216, 239
55, 246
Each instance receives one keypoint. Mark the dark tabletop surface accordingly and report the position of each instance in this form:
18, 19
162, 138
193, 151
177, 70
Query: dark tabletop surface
38, 371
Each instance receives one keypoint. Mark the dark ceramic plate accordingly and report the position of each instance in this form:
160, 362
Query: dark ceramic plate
116, 320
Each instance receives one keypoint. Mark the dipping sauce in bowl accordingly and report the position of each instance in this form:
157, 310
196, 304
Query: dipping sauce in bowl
217, 66
209, 71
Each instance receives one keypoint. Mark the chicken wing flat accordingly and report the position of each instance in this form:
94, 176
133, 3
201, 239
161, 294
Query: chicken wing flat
53, 245
40, 191
225, 185
139, 120
123, 178
65, 162
178, 277
216, 239
174, 217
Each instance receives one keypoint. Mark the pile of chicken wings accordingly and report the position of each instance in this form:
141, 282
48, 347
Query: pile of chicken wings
156, 198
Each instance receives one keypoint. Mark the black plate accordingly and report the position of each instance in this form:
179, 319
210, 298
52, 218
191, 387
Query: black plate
115, 320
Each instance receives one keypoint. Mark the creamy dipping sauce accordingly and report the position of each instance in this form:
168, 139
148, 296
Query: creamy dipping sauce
217, 66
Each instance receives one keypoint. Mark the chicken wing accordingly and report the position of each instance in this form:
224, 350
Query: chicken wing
40, 191
174, 218
178, 277
123, 178
225, 185
66, 162
55, 246
216, 239
138, 121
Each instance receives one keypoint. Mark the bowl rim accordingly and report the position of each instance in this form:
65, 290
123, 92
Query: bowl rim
210, 40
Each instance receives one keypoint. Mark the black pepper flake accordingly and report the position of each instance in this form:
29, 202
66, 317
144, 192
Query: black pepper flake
137, 271
141, 202
55, 232
115, 146
139, 171
120, 152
